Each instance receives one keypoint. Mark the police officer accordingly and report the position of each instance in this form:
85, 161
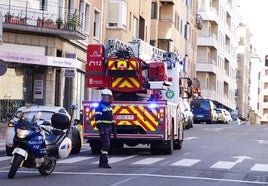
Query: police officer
105, 125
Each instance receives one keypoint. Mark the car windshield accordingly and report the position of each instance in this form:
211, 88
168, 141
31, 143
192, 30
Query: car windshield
38, 115
203, 105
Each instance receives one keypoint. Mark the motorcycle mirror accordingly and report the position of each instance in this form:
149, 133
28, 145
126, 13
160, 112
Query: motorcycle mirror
74, 107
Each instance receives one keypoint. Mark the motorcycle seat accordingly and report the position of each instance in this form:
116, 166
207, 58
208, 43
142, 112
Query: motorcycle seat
54, 136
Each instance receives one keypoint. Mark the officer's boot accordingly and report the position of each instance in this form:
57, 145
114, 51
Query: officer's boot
101, 161
105, 161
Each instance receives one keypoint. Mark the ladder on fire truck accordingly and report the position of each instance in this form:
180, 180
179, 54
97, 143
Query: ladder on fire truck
138, 47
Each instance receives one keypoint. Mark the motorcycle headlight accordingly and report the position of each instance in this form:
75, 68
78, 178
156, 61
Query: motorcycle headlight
22, 133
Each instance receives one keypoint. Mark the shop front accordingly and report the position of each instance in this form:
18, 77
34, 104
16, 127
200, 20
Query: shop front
46, 80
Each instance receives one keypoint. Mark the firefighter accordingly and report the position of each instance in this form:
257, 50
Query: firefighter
105, 125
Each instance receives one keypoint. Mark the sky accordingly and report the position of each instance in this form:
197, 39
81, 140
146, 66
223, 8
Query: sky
255, 14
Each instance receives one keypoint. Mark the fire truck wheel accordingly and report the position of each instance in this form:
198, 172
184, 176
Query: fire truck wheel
155, 149
168, 149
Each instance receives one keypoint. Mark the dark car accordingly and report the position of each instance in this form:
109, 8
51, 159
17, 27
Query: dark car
203, 111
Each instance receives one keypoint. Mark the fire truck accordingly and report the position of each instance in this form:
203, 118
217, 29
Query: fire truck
145, 85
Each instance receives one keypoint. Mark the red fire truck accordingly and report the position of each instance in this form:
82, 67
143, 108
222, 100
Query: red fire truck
145, 85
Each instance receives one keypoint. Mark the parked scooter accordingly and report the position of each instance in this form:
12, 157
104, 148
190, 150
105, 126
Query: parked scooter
38, 147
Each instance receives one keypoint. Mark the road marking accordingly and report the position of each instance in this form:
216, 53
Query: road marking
147, 161
262, 141
117, 159
260, 167
74, 159
190, 138
147, 175
242, 158
5, 158
216, 129
223, 165
186, 162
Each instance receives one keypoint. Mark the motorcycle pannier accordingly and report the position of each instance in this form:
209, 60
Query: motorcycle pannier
60, 121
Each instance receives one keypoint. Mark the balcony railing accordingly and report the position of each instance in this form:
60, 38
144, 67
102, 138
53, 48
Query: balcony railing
69, 21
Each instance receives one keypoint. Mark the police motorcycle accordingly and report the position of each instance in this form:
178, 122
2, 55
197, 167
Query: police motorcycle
40, 145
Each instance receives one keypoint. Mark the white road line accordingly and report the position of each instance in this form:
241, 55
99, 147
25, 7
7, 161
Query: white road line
128, 175
147, 161
260, 167
117, 159
223, 165
74, 159
186, 162
5, 158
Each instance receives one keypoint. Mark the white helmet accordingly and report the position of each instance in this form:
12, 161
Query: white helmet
106, 92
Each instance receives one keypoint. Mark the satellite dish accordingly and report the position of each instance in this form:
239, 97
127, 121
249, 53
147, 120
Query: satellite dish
3, 67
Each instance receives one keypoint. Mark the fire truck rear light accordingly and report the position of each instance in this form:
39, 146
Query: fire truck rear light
10, 124
162, 110
87, 110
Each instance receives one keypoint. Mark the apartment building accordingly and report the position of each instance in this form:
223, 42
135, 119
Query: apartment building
217, 43
243, 72
167, 24
44, 48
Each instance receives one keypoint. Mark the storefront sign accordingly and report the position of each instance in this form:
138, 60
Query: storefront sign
38, 60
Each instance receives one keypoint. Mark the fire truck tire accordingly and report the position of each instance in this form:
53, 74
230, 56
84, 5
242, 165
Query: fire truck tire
155, 149
169, 147
95, 146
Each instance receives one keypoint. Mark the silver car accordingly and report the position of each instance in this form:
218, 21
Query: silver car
41, 113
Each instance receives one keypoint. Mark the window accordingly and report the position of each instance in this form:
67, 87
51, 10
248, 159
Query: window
135, 27
96, 24
154, 11
117, 14
84, 18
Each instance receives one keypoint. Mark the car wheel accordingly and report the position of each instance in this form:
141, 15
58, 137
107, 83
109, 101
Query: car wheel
77, 142
9, 151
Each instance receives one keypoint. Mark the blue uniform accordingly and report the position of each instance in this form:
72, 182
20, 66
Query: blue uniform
105, 125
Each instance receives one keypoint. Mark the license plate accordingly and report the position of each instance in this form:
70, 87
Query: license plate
124, 117
200, 116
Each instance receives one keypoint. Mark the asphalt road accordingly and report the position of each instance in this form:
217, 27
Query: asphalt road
211, 155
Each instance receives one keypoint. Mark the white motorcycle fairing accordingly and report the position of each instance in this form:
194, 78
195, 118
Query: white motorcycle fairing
65, 147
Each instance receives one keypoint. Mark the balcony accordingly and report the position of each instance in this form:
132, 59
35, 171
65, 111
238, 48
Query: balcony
67, 26
207, 66
210, 14
209, 40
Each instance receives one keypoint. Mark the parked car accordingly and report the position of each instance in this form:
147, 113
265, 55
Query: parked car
236, 121
221, 116
203, 111
186, 114
224, 116
42, 113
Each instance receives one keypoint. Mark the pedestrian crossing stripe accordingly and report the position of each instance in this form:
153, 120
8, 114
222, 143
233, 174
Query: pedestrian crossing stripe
73, 159
186, 162
148, 161
224, 165
260, 167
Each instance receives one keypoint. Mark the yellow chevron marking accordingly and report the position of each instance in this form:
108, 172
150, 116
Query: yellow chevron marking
125, 84
135, 82
115, 82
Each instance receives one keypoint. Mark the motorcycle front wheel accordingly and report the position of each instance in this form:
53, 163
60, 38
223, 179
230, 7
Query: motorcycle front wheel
47, 168
17, 160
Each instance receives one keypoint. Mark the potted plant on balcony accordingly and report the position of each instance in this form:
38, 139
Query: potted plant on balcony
8, 17
71, 21
59, 22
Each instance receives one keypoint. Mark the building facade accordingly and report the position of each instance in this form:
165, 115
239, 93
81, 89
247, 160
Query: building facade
243, 75
44, 48
217, 43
